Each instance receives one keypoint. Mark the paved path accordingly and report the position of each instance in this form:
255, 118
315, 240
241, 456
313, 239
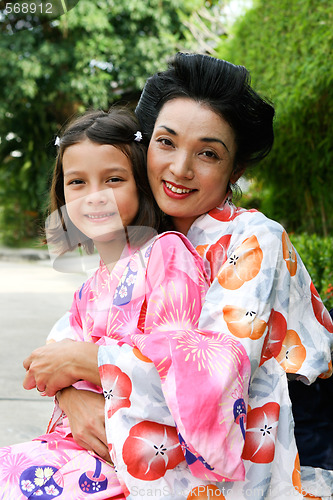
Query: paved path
32, 297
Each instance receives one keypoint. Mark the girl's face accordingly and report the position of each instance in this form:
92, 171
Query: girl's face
100, 191
190, 160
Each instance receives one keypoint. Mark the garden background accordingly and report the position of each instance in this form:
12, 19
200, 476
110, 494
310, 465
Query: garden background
101, 52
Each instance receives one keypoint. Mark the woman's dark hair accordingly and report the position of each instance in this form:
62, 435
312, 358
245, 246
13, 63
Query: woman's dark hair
225, 89
118, 127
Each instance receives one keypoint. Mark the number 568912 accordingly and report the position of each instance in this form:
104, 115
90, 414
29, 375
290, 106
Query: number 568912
29, 8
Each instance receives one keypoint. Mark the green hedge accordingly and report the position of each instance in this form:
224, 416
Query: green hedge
287, 47
317, 255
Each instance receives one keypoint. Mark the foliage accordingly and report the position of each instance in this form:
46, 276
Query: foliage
97, 53
317, 254
287, 47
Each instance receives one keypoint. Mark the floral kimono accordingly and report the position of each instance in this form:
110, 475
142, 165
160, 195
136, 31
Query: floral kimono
262, 295
176, 396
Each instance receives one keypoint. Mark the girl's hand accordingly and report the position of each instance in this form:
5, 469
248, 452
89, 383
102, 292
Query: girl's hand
85, 412
61, 364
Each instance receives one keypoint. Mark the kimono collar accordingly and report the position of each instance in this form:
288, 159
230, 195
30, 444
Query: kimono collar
224, 209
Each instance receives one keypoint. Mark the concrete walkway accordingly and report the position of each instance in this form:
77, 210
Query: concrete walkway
32, 297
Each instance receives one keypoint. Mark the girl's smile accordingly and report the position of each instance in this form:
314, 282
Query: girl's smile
100, 217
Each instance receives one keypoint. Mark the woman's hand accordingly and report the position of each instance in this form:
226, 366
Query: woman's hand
61, 364
85, 412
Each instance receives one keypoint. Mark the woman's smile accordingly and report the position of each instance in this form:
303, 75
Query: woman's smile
176, 191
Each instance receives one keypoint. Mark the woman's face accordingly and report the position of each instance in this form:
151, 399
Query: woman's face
190, 160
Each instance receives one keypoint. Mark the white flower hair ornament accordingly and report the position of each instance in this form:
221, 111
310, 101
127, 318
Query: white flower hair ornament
57, 142
138, 136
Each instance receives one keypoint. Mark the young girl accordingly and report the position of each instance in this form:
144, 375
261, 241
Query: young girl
138, 313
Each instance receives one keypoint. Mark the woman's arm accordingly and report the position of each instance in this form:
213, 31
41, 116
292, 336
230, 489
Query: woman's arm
85, 412
60, 364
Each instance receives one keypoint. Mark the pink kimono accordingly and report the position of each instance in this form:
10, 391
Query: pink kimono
176, 396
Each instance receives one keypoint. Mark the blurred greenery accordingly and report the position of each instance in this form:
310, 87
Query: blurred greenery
98, 53
317, 254
101, 52
287, 46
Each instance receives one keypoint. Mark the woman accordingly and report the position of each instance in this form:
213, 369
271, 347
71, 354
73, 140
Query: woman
205, 125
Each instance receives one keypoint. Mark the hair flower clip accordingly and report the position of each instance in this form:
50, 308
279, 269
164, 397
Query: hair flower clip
57, 141
138, 136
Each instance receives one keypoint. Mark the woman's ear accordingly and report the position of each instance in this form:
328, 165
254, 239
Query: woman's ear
237, 173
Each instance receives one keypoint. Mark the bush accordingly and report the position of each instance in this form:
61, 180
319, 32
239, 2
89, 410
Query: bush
317, 254
286, 46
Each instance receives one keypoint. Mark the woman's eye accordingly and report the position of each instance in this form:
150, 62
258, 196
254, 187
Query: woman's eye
210, 154
165, 141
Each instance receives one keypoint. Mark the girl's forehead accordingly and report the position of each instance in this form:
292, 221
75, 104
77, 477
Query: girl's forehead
88, 154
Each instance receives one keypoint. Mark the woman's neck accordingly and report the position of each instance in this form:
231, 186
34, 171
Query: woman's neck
183, 224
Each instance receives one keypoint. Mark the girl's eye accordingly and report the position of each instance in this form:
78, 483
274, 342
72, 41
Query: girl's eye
75, 182
115, 179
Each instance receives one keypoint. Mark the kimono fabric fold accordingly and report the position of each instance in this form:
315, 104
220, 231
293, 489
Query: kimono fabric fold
152, 345
169, 387
262, 295
169, 371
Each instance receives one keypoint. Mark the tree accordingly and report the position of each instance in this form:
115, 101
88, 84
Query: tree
287, 47
95, 54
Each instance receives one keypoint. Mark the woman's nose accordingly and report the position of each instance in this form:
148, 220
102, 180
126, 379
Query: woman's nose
182, 166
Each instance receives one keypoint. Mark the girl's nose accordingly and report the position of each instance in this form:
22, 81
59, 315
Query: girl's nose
182, 166
97, 197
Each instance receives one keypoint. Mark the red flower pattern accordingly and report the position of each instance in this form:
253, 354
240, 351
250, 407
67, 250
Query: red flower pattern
217, 254
228, 211
260, 434
320, 310
117, 387
277, 330
151, 449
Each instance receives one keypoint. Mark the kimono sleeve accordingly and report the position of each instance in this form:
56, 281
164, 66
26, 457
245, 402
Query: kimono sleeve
263, 296
69, 326
61, 330
204, 374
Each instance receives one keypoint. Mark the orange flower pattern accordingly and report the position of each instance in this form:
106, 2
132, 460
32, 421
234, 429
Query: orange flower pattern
243, 323
261, 294
242, 265
292, 354
261, 301
203, 492
289, 254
